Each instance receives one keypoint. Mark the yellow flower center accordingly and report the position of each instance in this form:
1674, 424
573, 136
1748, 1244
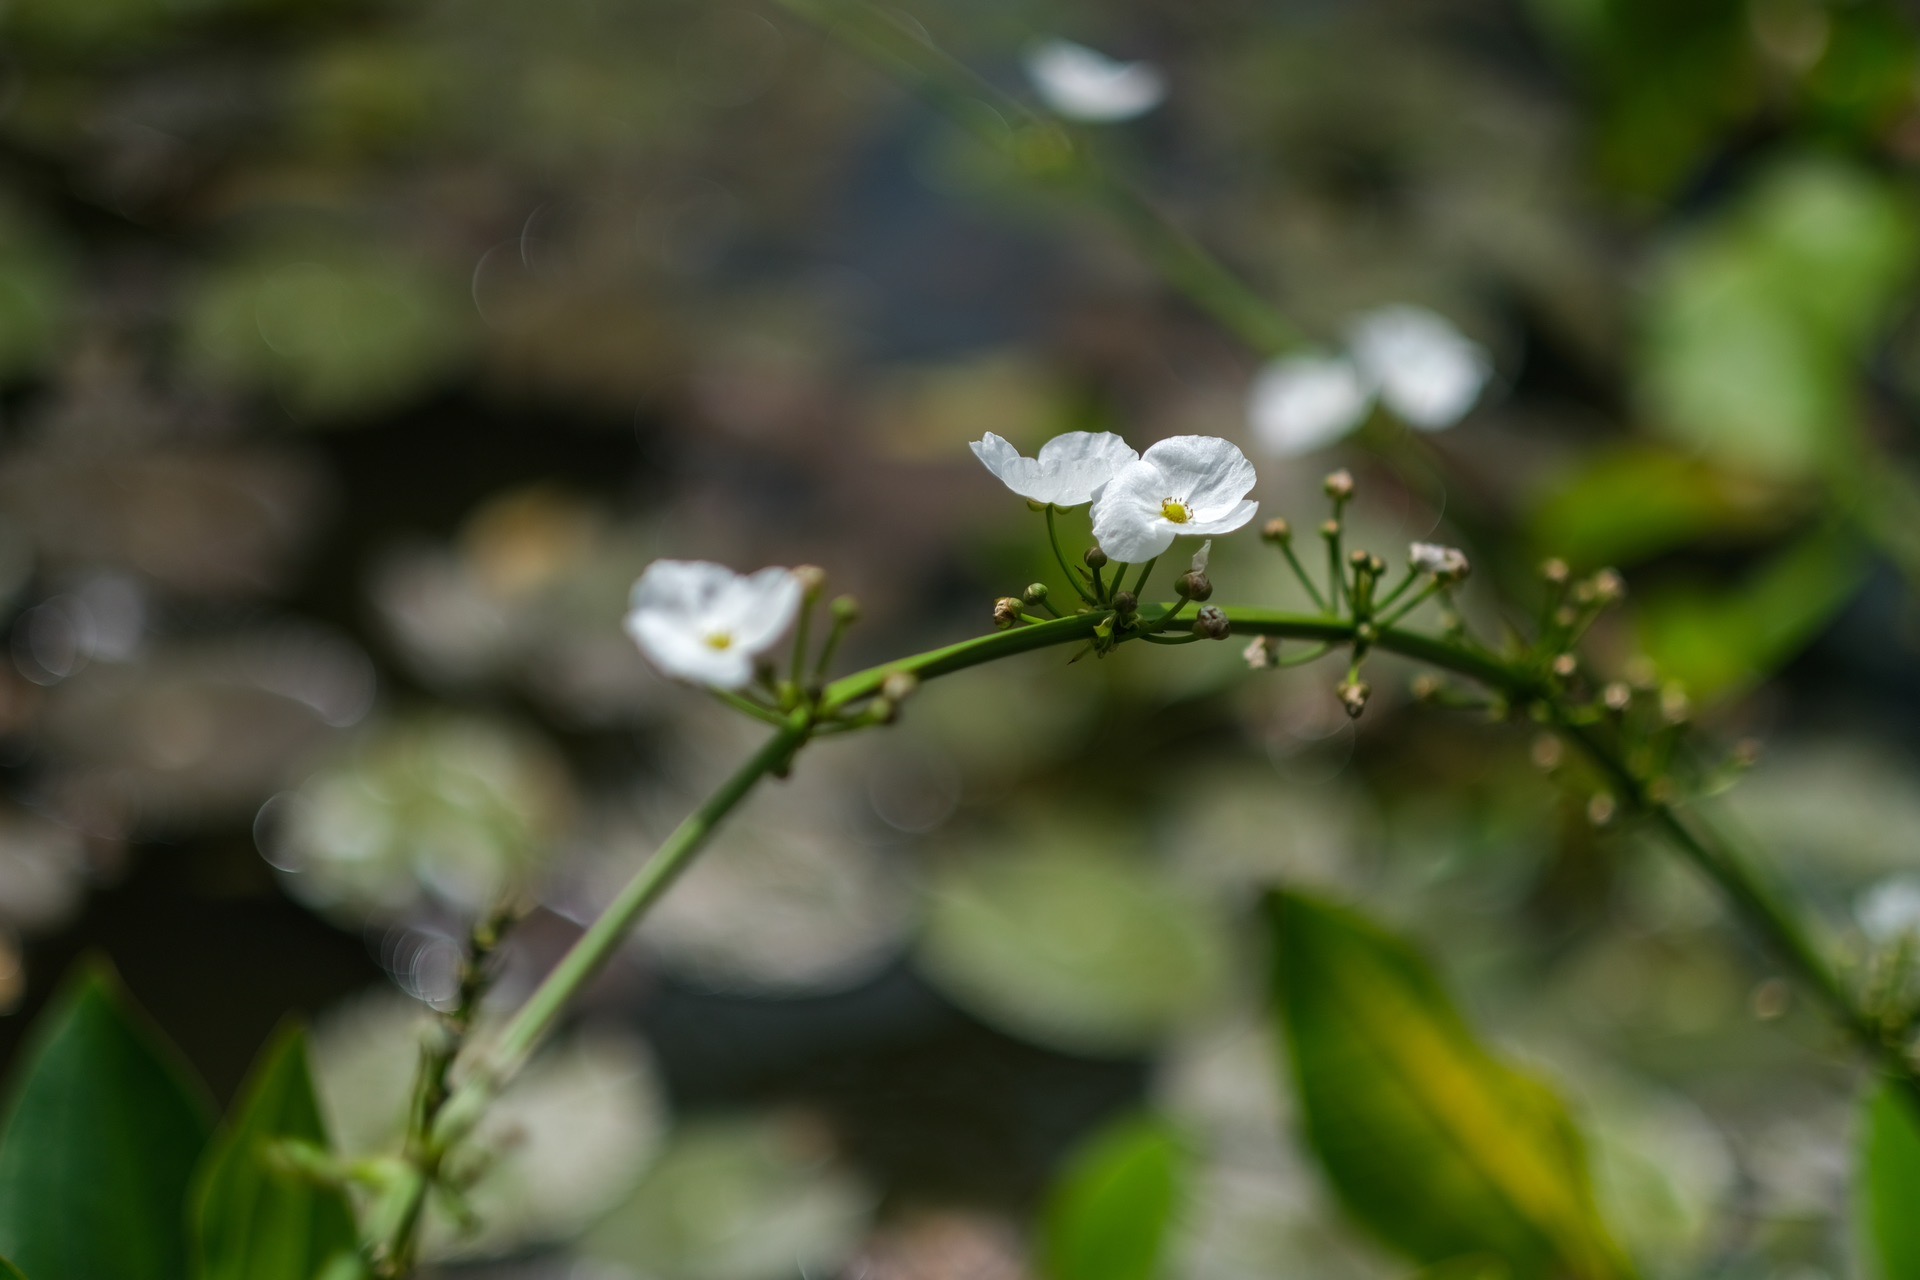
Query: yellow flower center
1175, 511
720, 640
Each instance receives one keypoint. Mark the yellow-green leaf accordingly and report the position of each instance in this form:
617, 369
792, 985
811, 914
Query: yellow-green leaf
102, 1135
1439, 1148
253, 1220
1109, 1214
1889, 1183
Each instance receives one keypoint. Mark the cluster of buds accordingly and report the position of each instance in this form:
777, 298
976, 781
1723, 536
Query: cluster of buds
1445, 564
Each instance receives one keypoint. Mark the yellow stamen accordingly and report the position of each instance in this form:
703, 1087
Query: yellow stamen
720, 640
1175, 511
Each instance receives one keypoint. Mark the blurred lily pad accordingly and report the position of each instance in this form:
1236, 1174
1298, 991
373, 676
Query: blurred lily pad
448, 808
333, 331
1059, 941
744, 1198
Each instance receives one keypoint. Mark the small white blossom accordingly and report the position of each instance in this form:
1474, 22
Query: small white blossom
705, 623
1424, 369
1070, 470
1259, 654
1301, 403
1186, 485
1202, 556
1441, 562
1891, 909
1083, 84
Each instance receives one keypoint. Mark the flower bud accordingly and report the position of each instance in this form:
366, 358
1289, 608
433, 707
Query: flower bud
1006, 612
1675, 706
1606, 587
1360, 560
1601, 809
1035, 593
1095, 558
1212, 624
1276, 531
1261, 652
1193, 585
1427, 688
1448, 564
1330, 529
1339, 485
813, 579
898, 686
1555, 572
1353, 696
846, 610
1125, 603
1547, 753
1565, 665
1617, 696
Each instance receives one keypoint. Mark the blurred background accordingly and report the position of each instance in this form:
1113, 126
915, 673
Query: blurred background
355, 355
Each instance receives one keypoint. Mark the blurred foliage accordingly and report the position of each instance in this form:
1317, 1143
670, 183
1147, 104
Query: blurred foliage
356, 354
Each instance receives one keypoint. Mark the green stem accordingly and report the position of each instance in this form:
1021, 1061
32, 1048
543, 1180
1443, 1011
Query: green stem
606, 934
1146, 571
1306, 579
1073, 579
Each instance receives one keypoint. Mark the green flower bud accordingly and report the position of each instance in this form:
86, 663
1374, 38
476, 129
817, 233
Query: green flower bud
1035, 592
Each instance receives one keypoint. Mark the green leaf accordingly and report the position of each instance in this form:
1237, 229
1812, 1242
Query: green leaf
1109, 1215
1889, 1182
255, 1222
1440, 1149
1625, 505
1720, 641
102, 1134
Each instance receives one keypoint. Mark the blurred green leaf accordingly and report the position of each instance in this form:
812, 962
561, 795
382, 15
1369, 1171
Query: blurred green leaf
1629, 504
1755, 323
1067, 944
252, 1221
333, 331
1439, 1148
1889, 1182
1110, 1212
1717, 642
102, 1135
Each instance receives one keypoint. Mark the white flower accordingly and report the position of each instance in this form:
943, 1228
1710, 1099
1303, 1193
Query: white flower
1441, 562
1425, 370
1070, 470
1301, 403
705, 623
1891, 909
1192, 485
1082, 84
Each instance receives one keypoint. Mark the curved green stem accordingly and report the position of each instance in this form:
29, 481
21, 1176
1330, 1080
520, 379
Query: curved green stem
1073, 579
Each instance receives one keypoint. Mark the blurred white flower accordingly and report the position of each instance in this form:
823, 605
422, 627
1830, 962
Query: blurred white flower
1890, 910
1069, 471
1441, 562
705, 623
1413, 360
1084, 84
1424, 369
1301, 403
1192, 485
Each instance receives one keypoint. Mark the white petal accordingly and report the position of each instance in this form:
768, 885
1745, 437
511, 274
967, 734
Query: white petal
1234, 517
1301, 403
1202, 556
1077, 465
1127, 520
1082, 84
1071, 468
681, 588
1427, 371
758, 610
683, 653
1207, 474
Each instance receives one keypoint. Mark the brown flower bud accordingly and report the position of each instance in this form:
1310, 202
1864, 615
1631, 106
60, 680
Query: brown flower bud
1194, 585
1124, 603
1006, 612
1095, 558
1212, 624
